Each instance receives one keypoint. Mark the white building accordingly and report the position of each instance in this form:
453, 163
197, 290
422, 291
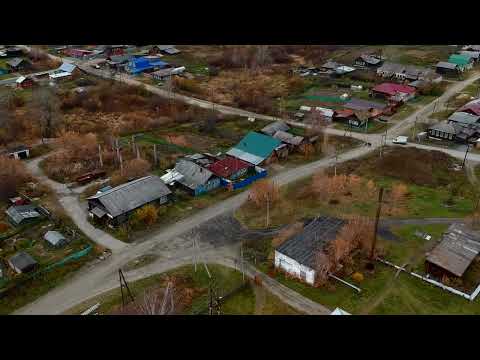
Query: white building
296, 256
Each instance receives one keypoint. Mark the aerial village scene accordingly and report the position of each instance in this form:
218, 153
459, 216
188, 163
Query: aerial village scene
239, 179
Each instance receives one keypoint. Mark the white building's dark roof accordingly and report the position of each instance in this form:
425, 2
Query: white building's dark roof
303, 246
132, 195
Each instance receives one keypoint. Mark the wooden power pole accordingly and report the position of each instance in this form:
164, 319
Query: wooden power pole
377, 218
100, 159
124, 284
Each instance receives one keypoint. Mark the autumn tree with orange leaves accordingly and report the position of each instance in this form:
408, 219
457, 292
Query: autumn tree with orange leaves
356, 234
263, 190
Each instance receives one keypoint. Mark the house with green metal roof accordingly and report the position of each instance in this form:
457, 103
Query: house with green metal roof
464, 62
255, 148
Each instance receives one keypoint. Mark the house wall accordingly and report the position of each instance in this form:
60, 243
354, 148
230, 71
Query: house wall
294, 268
209, 186
440, 134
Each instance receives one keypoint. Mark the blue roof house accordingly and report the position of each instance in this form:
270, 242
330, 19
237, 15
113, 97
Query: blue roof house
141, 64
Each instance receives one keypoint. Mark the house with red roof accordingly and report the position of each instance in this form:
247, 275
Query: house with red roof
394, 92
230, 168
472, 107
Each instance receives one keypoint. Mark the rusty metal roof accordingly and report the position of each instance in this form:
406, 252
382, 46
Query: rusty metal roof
456, 251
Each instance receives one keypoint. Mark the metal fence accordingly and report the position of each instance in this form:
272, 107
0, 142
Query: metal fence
8, 285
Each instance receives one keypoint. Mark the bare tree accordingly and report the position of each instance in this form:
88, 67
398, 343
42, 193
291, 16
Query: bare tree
154, 304
45, 108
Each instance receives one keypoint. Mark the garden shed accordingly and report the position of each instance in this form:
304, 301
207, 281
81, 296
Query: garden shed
55, 239
22, 263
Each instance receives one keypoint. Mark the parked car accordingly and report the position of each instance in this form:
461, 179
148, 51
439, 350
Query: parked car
401, 140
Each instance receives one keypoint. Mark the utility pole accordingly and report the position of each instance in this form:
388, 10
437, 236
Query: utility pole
155, 159
415, 128
120, 160
267, 219
242, 266
466, 153
124, 284
377, 217
133, 144
100, 159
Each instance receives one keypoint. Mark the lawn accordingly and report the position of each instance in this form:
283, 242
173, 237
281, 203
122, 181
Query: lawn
30, 239
242, 301
382, 292
435, 192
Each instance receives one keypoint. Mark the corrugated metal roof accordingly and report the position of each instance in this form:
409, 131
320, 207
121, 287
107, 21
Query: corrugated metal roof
258, 144
245, 156
193, 174
393, 88
228, 166
463, 118
15, 62
459, 59
360, 104
392, 67
22, 212
272, 128
456, 251
54, 238
59, 75
22, 261
446, 65
471, 54
67, 67
288, 138
369, 59
325, 111
315, 235
132, 195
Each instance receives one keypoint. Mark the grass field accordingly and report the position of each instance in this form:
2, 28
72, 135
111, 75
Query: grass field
242, 302
383, 292
438, 192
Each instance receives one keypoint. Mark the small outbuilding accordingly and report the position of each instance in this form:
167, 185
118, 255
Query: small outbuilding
22, 263
272, 128
368, 60
55, 239
17, 64
296, 255
22, 214
447, 68
18, 152
454, 254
